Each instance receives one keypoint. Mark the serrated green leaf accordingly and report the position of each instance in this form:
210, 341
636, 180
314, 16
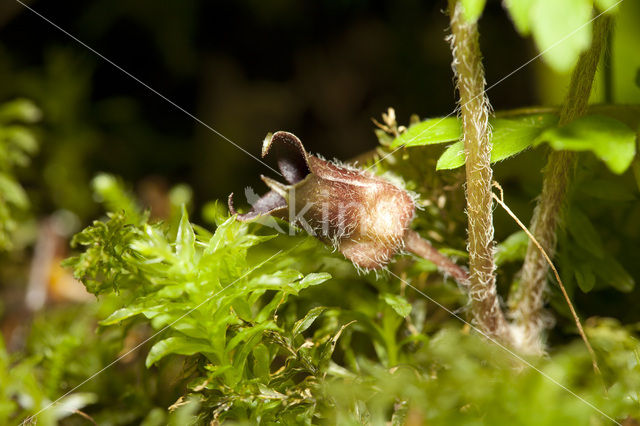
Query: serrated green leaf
561, 30
429, 132
610, 140
176, 346
304, 323
510, 137
398, 303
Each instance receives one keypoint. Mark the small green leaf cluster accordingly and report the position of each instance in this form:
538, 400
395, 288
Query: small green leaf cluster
22, 393
208, 299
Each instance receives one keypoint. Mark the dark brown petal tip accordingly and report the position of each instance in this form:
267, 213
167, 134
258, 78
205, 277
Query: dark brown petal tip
267, 204
291, 155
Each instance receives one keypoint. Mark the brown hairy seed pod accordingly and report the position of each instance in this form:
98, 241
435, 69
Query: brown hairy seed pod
362, 215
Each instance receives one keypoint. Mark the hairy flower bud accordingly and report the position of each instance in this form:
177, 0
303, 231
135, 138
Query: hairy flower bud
362, 215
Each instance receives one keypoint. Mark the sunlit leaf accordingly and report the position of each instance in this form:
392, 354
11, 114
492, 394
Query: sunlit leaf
304, 323
561, 30
185, 240
429, 132
472, 9
610, 140
175, 345
510, 137
520, 11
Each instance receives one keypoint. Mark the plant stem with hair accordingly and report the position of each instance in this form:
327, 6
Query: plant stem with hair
474, 111
527, 302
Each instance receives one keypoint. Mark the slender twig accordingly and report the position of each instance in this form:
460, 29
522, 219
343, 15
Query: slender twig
527, 302
474, 112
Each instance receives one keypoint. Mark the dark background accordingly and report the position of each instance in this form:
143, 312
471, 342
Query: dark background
320, 69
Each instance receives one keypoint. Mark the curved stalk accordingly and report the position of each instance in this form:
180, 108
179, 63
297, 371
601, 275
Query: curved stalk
414, 243
527, 302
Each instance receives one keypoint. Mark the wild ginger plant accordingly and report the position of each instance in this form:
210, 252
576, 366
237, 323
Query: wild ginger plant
267, 335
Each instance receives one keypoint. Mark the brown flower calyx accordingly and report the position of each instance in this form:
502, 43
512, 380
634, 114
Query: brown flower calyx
364, 216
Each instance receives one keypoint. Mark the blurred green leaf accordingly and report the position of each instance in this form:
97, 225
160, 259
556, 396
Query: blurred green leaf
609, 6
584, 233
585, 277
21, 110
613, 274
610, 140
11, 192
512, 249
398, 303
561, 30
520, 11
472, 9
607, 189
112, 192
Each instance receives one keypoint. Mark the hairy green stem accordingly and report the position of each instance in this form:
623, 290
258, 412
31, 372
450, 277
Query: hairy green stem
474, 111
527, 302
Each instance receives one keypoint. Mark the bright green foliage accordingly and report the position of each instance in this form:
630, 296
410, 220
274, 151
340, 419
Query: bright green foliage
62, 351
251, 339
116, 197
510, 137
610, 140
206, 297
21, 393
17, 144
472, 382
430, 131
473, 9
512, 249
